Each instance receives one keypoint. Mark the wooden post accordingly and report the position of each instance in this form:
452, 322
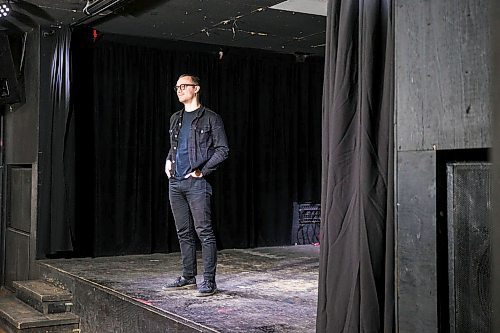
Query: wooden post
495, 105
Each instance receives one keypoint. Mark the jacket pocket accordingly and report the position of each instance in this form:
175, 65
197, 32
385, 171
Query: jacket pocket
204, 136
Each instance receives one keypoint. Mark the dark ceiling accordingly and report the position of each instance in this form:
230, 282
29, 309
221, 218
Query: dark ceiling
238, 23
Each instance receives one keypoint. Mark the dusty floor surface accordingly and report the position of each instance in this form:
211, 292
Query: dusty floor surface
269, 290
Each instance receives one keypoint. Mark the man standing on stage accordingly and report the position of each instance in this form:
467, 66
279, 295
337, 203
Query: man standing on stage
198, 144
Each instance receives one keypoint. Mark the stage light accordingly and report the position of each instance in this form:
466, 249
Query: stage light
4, 9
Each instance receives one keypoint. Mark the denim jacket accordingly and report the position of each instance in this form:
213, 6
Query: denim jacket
207, 143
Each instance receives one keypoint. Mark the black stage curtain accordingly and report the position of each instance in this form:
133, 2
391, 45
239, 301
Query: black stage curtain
356, 283
56, 227
271, 107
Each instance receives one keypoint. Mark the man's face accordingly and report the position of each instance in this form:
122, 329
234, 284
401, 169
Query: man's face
187, 94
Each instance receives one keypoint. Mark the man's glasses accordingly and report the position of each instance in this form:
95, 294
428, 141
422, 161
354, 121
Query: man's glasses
183, 86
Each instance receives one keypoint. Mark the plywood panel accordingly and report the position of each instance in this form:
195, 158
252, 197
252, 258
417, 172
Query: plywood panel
442, 74
21, 121
16, 256
495, 231
416, 242
19, 198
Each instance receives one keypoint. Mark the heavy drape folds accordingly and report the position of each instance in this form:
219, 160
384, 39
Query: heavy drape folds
56, 158
271, 107
356, 281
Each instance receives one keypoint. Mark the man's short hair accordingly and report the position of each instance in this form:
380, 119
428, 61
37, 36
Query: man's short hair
194, 78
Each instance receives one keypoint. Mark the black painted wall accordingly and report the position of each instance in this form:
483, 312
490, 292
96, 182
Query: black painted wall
21, 140
20, 143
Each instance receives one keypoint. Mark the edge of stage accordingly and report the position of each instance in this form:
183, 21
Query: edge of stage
272, 289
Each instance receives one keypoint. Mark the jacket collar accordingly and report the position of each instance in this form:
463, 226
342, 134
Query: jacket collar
199, 112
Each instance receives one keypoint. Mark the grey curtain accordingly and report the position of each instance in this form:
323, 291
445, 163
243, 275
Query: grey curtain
356, 278
56, 156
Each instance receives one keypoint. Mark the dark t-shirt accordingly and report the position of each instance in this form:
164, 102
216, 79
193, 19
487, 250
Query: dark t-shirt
183, 166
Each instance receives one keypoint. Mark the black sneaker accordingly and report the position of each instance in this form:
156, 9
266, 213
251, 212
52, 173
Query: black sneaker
207, 288
181, 283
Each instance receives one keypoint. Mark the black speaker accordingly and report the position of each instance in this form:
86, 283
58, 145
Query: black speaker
10, 91
469, 208
306, 223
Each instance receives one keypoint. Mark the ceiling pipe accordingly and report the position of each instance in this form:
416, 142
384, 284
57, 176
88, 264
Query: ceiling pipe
94, 8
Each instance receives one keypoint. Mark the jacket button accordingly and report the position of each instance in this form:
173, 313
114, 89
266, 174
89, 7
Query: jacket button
201, 131
176, 135
175, 148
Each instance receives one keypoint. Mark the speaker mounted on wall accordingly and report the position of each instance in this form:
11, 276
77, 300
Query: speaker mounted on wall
10, 87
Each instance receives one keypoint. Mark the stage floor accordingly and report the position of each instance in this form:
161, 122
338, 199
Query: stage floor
271, 289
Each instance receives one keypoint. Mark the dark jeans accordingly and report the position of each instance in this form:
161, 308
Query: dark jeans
190, 202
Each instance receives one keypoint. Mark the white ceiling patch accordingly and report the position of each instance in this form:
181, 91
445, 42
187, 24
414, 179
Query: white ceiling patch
314, 7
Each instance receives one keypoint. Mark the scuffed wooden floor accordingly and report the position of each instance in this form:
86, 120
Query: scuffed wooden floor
263, 290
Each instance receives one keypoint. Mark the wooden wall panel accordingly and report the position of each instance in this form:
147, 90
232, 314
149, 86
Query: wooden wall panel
21, 120
20, 186
18, 201
442, 74
17, 256
495, 225
416, 252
